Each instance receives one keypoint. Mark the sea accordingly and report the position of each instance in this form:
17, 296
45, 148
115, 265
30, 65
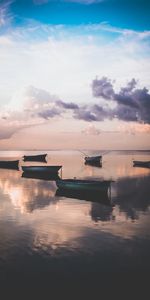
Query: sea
55, 242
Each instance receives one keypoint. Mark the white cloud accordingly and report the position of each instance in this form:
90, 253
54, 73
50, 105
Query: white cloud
62, 61
5, 15
91, 130
65, 62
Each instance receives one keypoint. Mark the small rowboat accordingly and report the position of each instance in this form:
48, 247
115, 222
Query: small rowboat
138, 163
41, 169
10, 164
39, 157
93, 159
90, 185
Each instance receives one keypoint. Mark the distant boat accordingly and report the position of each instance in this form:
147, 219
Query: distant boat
9, 164
39, 157
138, 163
93, 159
41, 169
41, 175
88, 185
88, 195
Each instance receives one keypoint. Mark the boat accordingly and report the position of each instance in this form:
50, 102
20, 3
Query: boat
41, 169
39, 157
41, 175
9, 164
93, 159
87, 195
88, 185
143, 164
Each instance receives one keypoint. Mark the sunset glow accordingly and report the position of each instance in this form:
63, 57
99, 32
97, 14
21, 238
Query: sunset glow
63, 75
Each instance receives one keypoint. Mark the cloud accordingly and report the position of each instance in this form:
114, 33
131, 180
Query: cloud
67, 105
33, 106
5, 15
132, 104
63, 60
102, 88
133, 128
85, 113
49, 113
90, 113
91, 130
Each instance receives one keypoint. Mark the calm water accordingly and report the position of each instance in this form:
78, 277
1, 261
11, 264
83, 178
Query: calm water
46, 238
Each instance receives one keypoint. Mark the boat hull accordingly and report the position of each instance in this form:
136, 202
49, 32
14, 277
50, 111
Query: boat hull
41, 169
40, 157
144, 164
93, 159
14, 164
84, 185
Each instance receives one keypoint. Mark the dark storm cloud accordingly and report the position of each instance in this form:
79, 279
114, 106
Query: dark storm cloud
132, 104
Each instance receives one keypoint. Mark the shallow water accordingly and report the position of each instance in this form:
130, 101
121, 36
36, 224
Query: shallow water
46, 236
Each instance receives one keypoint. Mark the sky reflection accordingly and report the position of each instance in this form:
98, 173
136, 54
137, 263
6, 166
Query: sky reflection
51, 222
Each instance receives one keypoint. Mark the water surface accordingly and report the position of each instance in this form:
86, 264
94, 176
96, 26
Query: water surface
47, 237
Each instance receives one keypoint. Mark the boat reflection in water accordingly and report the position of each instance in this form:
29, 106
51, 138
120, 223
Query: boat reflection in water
9, 164
42, 176
90, 190
47, 237
93, 196
97, 164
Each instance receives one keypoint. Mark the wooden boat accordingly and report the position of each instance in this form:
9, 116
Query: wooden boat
93, 159
41, 175
41, 169
143, 164
88, 185
87, 195
10, 164
39, 157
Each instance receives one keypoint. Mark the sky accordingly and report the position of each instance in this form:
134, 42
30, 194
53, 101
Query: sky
74, 74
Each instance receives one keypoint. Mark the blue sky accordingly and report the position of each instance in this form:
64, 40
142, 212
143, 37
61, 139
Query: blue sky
133, 14
74, 68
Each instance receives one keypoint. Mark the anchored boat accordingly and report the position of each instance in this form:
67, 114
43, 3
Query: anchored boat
143, 164
39, 157
93, 159
88, 185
